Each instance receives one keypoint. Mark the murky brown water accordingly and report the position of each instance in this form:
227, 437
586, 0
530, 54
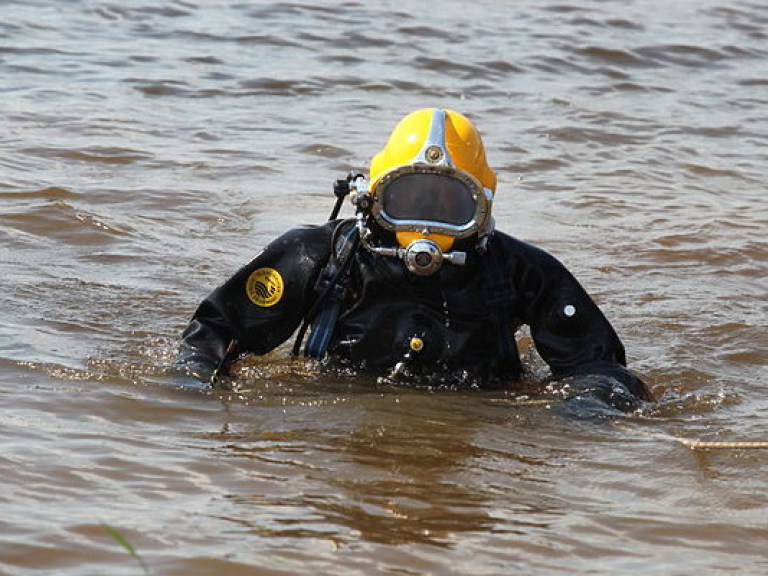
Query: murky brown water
147, 149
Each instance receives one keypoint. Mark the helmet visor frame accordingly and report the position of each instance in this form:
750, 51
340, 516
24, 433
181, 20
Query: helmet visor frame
436, 199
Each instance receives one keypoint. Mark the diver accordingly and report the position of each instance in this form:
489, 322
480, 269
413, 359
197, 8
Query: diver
417, 287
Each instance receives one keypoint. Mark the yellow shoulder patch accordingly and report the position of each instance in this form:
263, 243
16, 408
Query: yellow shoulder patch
264, 287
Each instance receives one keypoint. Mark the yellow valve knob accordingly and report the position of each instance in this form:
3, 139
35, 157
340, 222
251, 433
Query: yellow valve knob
416, 344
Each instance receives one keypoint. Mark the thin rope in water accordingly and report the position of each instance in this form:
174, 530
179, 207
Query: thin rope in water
702, 444
691, 444
724, 445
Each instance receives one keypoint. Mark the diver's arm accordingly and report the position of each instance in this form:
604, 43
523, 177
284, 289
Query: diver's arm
259, 307
208, 343
574, 337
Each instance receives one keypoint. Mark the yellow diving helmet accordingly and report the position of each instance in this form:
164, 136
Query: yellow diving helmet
431, 185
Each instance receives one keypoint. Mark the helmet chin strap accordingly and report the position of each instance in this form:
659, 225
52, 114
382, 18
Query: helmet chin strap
422, 257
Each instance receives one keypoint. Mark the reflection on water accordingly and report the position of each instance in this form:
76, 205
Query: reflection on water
388, 479
148, 151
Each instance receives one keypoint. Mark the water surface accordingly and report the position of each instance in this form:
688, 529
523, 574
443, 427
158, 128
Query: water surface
147, 150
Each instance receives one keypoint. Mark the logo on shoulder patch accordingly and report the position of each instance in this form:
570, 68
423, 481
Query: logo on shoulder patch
264, 287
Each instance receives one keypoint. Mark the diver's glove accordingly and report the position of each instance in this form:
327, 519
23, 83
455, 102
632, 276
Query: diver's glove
202, 366
601, 390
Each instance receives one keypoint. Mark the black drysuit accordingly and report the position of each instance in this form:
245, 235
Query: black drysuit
464, 316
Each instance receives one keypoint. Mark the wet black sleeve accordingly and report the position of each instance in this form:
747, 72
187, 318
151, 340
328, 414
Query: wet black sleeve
570, 332
259, 307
